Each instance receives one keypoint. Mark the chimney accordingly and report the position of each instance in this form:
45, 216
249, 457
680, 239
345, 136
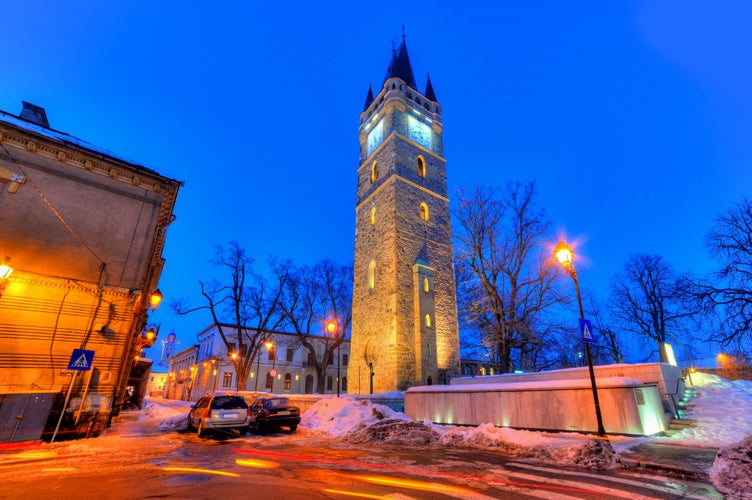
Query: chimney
34, 114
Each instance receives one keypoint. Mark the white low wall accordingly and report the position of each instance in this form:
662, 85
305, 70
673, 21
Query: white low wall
627, 405
667, 377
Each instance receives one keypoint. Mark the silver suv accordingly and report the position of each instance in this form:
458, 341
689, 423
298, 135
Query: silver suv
219, 412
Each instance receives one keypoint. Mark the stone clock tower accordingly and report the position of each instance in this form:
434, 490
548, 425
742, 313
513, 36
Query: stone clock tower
404, 321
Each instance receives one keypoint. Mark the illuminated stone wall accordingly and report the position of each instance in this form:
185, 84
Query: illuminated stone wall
389, 327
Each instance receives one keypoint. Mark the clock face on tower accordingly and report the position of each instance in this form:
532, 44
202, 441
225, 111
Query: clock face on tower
419, 132
375, 136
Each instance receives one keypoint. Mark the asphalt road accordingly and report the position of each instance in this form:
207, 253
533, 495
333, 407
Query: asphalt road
137, 461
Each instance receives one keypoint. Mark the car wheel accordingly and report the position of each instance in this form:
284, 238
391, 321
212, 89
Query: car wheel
242, 430
189, 427
258, 427
293, 427
201, 431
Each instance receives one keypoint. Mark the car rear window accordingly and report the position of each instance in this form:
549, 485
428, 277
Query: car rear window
277, 402
228, 403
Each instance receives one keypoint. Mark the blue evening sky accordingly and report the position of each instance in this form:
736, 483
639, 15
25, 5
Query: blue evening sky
633, 117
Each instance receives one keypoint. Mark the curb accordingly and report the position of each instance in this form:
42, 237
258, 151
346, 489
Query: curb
641, 463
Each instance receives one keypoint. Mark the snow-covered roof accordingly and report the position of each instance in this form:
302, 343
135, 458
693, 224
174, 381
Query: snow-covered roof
69, 140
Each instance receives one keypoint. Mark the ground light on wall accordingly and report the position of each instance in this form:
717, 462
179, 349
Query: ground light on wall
565, 256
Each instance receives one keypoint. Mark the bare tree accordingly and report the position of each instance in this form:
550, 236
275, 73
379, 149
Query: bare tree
730, 293
609, 348
508, 285
314, 295
249, 302
647, 299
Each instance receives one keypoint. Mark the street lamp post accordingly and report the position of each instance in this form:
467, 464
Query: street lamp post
258, 368
269, 346
333, 330
566, 258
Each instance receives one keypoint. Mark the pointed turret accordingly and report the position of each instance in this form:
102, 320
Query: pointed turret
400, 66
429, 93
369, 97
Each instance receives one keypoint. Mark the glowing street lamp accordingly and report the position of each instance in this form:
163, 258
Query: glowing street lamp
273, 373
566, 258
333, 328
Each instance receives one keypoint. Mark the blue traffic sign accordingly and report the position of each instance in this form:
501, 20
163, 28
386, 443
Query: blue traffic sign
586, 330
81, 359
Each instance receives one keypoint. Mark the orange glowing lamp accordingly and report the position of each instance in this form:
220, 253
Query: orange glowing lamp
5, 270
155, 298
563, 254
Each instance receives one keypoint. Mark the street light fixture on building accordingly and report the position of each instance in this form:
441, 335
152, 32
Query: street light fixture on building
566, 258
5, 272
155, 298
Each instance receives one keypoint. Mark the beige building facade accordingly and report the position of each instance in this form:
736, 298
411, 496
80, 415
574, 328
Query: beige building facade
83, 232
404, 325
285, 369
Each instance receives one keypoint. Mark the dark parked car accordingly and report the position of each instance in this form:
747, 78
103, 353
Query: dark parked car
219, 412
274, 412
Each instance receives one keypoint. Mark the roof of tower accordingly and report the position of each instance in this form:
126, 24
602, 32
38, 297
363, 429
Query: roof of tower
369, 97
400, 66
429, 93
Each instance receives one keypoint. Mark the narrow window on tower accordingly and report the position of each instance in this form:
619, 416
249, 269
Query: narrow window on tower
374, 173
372, 274
426, 285
428, 321
373, 215
424, 211
421, 166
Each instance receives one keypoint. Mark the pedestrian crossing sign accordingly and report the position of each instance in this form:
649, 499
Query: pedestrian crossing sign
586, 330
81, 359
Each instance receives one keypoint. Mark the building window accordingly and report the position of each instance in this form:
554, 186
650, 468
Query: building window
372, 274
373, 215
288, 381
269, 381
426, 285
227, 380
344, 359
428, 321
272, 353
424, 211
374, 173
290, 354
329, 383
421, 166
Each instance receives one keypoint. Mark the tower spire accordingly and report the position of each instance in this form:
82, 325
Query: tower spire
429, 93
369, 97
400, 66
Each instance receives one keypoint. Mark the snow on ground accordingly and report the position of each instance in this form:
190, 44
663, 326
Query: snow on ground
723, 412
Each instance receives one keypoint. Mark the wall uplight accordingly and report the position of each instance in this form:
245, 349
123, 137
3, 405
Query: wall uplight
5, 269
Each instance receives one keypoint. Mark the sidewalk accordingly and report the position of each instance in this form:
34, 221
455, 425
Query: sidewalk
688, 461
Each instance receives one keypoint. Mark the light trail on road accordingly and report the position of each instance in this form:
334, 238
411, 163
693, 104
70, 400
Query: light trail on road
416, 470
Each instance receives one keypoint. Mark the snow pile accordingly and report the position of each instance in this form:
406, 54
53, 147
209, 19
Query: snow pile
359, 421
545, 447
732, 471
172, 417
723, 412
395, 431
340, 416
